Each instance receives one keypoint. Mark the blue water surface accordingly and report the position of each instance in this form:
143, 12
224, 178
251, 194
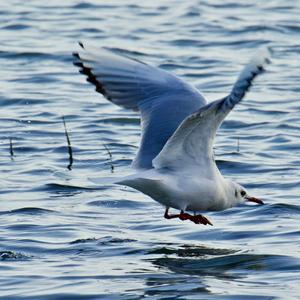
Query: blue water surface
60, 238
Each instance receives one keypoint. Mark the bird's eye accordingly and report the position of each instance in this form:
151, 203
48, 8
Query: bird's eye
243, 193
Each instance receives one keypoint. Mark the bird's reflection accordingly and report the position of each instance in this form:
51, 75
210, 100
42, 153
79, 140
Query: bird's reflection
197, 260
192, 269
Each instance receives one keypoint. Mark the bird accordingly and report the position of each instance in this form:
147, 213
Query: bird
174, 164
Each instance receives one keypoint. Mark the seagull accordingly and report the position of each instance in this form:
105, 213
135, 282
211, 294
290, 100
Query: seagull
174, 164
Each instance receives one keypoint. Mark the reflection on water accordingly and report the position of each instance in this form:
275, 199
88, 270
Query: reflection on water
193, 268
191, 251
219, 266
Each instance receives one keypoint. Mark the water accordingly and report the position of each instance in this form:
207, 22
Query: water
61, 239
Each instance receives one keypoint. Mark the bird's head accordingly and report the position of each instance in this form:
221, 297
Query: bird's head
240, 194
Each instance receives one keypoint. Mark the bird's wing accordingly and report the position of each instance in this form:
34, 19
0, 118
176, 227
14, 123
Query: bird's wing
163, 99
191, 144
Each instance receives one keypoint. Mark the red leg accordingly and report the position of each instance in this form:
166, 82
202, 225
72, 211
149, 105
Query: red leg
197, 219
167, 216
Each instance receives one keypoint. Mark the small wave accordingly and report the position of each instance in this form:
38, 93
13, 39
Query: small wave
234, 124
86, 5
108, 240
191, 251
12, 255
275, 184
236, 264
92, 30
82, 241
22, 55
61, 186
281, 209
15, 27
27, 211
186, 42
20, 102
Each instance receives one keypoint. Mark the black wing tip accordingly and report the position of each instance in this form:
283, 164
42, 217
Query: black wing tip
76, 55
260, 68
78, 64
81, 44
268, 60
91, 77
270, 50
88, 72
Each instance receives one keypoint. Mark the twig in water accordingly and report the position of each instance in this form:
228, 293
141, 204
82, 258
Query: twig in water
11, 150
238, 145
110, 158
69, 146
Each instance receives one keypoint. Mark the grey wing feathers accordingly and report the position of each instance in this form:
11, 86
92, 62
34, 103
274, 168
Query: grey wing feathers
191, 144
246, 77
163, 99
122, 80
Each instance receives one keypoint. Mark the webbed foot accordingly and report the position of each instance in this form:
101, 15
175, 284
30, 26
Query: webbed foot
197, 219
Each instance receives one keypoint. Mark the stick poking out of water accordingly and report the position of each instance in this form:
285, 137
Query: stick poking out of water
109, 158
11, 150
69, 145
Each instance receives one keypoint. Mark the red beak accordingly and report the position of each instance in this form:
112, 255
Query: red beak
253, 199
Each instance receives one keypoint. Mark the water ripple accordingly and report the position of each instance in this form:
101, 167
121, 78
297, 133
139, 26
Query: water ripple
65, 238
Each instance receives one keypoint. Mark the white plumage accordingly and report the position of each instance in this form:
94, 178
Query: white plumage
175, 164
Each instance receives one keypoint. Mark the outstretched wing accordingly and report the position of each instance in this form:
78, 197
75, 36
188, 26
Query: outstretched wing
191, 144
163, 99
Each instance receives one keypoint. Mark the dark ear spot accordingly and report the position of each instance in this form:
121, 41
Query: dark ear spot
243, 193
236, 193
